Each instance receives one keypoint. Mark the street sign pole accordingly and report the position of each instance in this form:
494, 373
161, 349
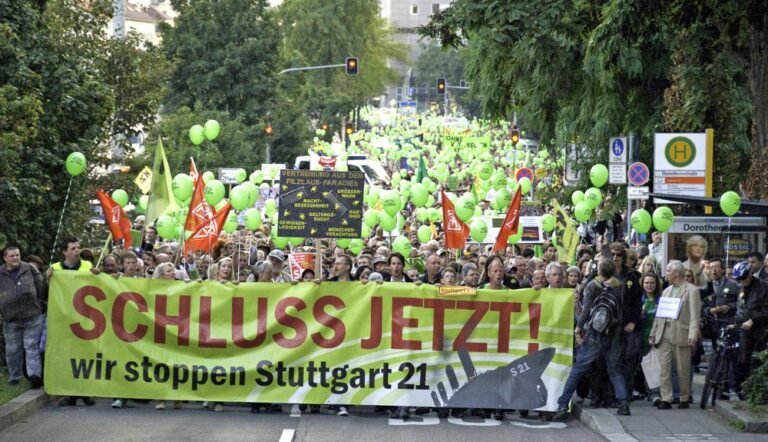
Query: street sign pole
631, 157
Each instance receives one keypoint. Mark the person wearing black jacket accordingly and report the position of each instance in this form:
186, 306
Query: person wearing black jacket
753, 316
632, 336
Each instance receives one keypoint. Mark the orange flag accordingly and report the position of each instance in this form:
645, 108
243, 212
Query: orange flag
193, 169
119, 224
200, 211
207, 234
456, 231
511, 222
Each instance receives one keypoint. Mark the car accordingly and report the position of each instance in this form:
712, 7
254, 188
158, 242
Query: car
374, 172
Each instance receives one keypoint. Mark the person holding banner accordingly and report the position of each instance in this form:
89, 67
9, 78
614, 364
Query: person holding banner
396, 263
675, 332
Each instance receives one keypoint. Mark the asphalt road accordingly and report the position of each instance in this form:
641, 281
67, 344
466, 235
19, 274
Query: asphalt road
143, 422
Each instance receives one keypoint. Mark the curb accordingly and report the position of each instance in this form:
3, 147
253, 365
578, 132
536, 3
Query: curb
17, 409
750, 424
603, 422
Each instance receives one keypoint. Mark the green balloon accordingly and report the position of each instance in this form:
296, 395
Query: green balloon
240, 175
730, 203
465, 208
387, 221
239, 197
208, 176
516, 237
547, 222
214, 192
373, 197
280, 242
230, 225
296, 241
663, 218
422, 215
402, 245
485, 171
143, 202
525, 184
430, 201
166, 226
593, 197
182, 186
424, 233
396, 179
598, 175
365, 231
419, 195
211, 130
196, 134
435, 215
499, 181
370, 217
75, 163
270, 206
577, 196
478, 230
641, 220
390, 200
120, 197
582, 211
257, 177
253, 219
253, 192
502, 200
356, 246
343, 242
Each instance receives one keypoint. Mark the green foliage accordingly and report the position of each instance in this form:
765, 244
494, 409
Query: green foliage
583, 71
61, 83
436, 62
756, 385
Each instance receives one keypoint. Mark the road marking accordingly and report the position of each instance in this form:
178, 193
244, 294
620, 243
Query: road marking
547, 425
287, 435
414, 421
295, 412
474, 423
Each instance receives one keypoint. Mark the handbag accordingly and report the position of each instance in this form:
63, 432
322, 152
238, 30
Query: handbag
652, 368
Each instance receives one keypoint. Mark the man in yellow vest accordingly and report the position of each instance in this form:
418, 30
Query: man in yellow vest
70, 249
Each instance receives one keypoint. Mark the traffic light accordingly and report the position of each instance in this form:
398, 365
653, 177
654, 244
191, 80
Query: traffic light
351, 65
268, 130
324, 126
349, 129
514, 134
441, 85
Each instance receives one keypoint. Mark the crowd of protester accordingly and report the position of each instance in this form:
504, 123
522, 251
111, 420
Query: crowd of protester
711, 296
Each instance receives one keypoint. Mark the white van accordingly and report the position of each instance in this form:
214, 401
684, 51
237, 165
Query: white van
375, 175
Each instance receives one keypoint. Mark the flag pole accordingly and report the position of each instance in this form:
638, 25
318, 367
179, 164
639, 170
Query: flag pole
106, 244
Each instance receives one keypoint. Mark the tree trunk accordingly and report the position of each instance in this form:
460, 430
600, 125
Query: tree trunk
757, 179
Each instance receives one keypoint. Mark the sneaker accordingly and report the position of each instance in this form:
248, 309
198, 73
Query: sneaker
160, 405
562, 415
89, 401
68, 401
342, 411
218, 408
36, 382
624, 409
117, 403
656, 400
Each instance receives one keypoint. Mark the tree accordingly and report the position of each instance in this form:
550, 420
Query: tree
59, 94
580, 71
326, 32
437, 62
225, 56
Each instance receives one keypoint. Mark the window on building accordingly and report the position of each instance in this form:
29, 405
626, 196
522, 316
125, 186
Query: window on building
435, 8
414, 9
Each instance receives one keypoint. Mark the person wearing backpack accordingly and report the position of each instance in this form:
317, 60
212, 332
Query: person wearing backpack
598, 333
675, 332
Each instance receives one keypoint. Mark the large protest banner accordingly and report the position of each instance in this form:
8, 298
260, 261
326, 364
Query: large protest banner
346, 343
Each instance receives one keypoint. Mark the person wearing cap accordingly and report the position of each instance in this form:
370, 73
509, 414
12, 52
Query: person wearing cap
280, 273
443, 254
752, 314
379, 263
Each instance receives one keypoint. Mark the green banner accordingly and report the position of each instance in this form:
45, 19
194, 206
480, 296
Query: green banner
332, 343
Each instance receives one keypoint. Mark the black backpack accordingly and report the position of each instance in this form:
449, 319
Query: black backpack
606, 309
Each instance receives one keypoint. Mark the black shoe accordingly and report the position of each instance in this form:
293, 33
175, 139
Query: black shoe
403, 413
457, 413
68, 401
523, 413
89, 401
656, 401
596, 403
690, 399
303, 407
36, 382
443, 413
314, 409
675, 401
684, 405
255, 408
498, 415
664, 405
724, 397
422, 411
623, 410
561, 416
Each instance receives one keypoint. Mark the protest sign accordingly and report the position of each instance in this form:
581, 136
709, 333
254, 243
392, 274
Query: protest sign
345, 343
321, 204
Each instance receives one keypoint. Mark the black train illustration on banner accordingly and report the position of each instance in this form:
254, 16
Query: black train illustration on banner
517, 385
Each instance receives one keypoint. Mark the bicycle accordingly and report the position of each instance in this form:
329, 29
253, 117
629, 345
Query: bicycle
727, 352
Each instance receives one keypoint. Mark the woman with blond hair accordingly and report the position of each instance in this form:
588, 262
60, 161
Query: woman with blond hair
222, 270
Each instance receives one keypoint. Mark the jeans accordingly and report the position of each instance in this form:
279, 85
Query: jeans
632, 344
23, 337
593, 346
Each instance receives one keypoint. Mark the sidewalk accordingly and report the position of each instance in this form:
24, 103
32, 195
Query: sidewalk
647, 423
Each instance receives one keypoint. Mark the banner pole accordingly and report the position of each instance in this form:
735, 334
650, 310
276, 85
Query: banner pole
61, 220
103, 249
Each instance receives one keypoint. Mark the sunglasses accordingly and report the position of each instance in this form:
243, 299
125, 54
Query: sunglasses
617, 254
